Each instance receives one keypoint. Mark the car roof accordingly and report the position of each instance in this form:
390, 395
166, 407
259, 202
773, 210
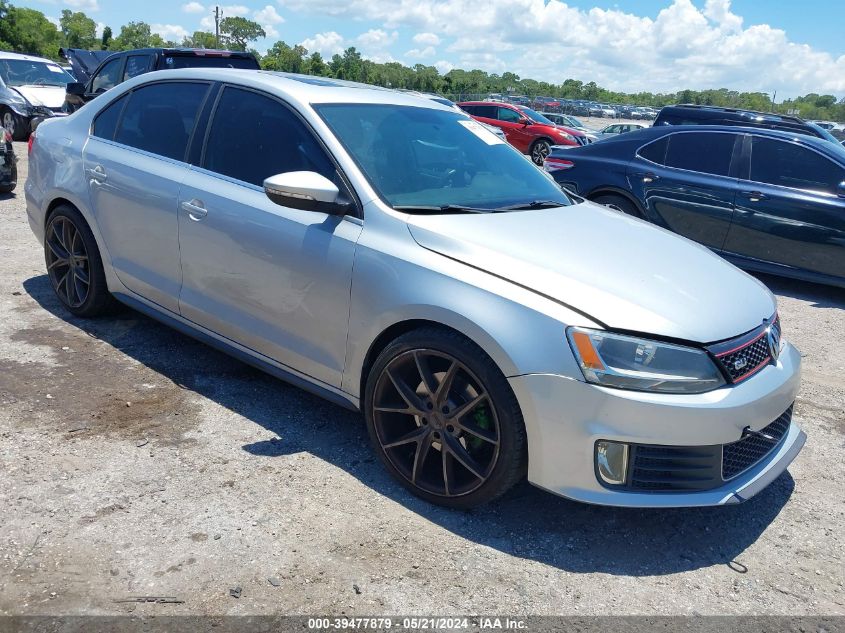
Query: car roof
717, 110
303, 89
30, 58
648, 133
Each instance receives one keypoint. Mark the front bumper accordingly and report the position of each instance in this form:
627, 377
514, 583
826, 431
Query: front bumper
565, 417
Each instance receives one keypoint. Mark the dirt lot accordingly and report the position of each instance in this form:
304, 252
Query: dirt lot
137, 462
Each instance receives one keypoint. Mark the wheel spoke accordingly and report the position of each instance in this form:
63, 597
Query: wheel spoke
447, 470
67, 236
423, 446
426, 375
465, 408
70, 288
59, 261
446, 384
81, 275
408, 395
57, 248
414, 436
61, 281
483, 434
462, 456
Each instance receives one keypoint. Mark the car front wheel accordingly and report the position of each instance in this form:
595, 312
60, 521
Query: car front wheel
539, 151
443, 419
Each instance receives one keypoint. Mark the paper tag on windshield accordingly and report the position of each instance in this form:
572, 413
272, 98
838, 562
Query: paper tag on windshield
481, 132
55, 69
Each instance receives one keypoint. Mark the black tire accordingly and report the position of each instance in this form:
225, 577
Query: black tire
9, 187
17, 125
539, 150
491, 432
85, 262
618, 203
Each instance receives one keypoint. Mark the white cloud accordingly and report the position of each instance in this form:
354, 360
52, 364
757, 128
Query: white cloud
99, 30
684, 46
376, 39
170, 32
193, 7
83, 5
443, 66
327, 44
428, 39
268, 18
420, 53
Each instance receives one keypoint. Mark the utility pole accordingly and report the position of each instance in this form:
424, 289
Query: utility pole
217, 15
774, 96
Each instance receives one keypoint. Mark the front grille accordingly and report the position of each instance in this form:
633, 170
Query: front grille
582, 140
744, 356
742, 455
660, 468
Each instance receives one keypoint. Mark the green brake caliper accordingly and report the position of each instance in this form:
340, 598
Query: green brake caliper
481, 417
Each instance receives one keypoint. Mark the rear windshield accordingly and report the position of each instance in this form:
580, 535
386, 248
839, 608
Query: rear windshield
207, 61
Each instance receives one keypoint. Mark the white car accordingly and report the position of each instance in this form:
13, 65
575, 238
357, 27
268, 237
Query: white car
29, 87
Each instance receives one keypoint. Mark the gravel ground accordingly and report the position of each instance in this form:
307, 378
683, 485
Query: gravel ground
137, 462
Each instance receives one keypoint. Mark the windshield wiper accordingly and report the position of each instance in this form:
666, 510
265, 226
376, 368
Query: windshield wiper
445, 208
534, 204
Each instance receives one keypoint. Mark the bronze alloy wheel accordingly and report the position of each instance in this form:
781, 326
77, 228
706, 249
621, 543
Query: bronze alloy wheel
436, 423
67, 261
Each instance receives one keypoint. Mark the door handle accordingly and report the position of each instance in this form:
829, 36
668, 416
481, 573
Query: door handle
647, 176
754, 196
97, 174
195, 209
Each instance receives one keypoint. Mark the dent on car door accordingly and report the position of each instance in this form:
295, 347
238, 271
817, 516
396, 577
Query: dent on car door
788, 211
272, 278
134, 165
687, 183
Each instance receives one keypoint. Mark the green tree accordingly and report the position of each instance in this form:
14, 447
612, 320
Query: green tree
200, 39
78, 30
27, 31
136, 35
238, 32
316, 65
106, 39
283, 57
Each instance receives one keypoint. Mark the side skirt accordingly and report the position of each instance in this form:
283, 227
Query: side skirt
243, 354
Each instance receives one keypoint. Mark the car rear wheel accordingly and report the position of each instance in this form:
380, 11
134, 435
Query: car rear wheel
74, 265
443, 419
618, 203
17, 125
539, 150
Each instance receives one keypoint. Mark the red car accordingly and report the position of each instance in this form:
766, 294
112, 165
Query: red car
528, 131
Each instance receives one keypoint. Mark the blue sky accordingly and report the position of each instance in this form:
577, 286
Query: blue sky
655, 45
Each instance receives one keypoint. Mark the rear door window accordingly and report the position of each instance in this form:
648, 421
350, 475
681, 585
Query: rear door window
488, 112
160, 118
788, 164
108, 77
253, 137
105, 124
136, 65
705, 152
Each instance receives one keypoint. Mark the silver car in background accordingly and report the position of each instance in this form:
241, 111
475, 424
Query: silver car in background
395, 257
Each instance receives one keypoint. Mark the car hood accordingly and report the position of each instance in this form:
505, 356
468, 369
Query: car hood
620, 271
49, 96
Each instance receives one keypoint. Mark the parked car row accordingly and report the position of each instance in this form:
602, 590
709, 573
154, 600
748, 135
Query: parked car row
391, 255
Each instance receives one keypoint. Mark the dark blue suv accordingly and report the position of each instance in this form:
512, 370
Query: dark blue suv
767, 200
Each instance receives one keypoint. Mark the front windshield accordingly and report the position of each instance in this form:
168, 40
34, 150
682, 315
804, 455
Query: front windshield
535, 116
23, 72
575, 122
428, 158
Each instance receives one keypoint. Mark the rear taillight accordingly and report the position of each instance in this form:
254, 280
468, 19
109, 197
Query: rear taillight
29, 144
557, 164
7, 135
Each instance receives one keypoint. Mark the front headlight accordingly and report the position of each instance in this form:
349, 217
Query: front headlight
567, 136
628, 362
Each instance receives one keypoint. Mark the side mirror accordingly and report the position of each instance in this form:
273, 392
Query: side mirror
525, 121
76, 89
840, 189
306, 190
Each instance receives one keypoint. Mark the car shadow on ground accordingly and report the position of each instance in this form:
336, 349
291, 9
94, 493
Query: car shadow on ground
527, 522
818, 295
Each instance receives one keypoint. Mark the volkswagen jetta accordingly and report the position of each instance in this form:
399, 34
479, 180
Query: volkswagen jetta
392, 255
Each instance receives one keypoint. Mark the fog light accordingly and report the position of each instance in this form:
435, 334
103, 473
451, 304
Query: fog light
612, 462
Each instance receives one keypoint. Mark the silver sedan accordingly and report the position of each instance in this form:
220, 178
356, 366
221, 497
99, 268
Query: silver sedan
393, 256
